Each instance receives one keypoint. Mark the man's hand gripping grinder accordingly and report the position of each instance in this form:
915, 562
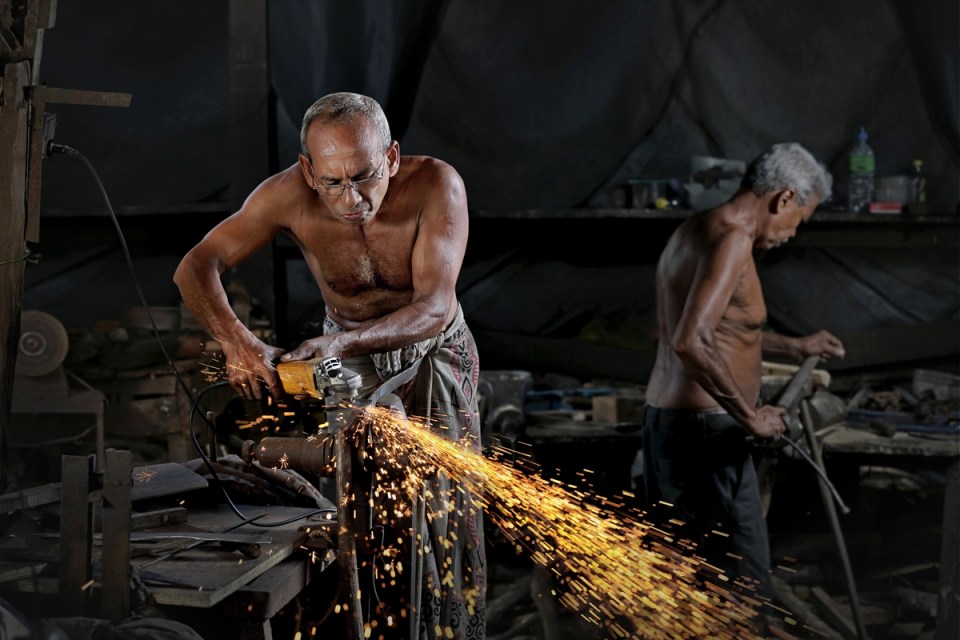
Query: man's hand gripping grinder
325, 380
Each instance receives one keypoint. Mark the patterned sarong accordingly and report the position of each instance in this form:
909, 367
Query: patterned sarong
453, 586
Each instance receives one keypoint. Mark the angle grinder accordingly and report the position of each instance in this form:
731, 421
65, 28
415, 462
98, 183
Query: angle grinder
322, 379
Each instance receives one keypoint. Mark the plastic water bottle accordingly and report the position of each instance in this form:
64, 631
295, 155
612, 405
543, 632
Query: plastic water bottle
918, 183
862, 168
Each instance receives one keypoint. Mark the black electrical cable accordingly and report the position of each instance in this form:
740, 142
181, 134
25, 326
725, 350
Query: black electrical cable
206, 461
70, 151
821, 473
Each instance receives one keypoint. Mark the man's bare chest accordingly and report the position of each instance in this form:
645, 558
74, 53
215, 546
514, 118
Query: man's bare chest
349, 262
747, 306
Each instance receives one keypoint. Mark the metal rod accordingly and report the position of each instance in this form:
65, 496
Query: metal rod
347, 538
417, 517
828, 505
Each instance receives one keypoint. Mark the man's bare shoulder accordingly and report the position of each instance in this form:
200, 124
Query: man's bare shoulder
427, 170
280, 196
725, 226
288, 183
430, 186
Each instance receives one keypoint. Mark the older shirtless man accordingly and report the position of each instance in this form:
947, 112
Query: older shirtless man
384, 236
703, 393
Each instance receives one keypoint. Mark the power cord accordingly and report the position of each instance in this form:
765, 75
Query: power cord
821, 473
62, 149
206, 461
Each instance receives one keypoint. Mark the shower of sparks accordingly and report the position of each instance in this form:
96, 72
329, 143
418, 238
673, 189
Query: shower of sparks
265, 421
612, 568
144, 475
214, 367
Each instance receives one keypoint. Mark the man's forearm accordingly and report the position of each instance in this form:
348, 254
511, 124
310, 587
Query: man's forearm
775, 345
403, 327
204, 295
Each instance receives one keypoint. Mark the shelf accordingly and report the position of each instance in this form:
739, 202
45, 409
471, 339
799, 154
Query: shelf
140, 210
680, 214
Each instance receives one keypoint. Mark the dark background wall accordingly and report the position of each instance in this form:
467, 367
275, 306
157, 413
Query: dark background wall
541, 106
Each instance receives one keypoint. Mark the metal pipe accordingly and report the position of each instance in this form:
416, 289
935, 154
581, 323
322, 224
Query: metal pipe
347, 538
312, 455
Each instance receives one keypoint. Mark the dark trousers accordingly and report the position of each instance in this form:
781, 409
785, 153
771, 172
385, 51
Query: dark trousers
701, 464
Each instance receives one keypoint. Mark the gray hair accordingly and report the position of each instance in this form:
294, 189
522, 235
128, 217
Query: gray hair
343, 107
788, 165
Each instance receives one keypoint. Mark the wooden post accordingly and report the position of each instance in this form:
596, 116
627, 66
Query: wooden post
20, 59
250, 127
76, 533
115, 556
14, 125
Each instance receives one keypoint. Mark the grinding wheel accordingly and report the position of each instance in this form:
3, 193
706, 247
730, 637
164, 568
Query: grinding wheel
43, 344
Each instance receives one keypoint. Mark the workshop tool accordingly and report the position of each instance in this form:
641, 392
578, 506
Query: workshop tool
789, 399
791, 395
319, 379
40, 381
796, 398
335, 453
502, 395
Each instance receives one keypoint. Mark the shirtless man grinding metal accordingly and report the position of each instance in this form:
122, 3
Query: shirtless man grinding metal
703, 393
384, 236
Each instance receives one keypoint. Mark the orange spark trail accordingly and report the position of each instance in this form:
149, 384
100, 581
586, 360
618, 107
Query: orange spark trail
615, 570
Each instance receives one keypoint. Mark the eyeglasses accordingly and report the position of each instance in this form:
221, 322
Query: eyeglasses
336, 190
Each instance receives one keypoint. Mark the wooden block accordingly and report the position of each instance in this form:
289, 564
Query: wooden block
775, 370
29, 498
618, 408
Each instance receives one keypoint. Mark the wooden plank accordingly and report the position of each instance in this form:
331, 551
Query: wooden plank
35, 163
39, 584
29, 498
115, 555
76, 533
149, 481
13, 248
18, 570
265, 596
207, 576
47, 14
52, 95
845, 439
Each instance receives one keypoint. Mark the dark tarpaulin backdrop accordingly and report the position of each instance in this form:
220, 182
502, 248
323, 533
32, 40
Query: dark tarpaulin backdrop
539, 105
